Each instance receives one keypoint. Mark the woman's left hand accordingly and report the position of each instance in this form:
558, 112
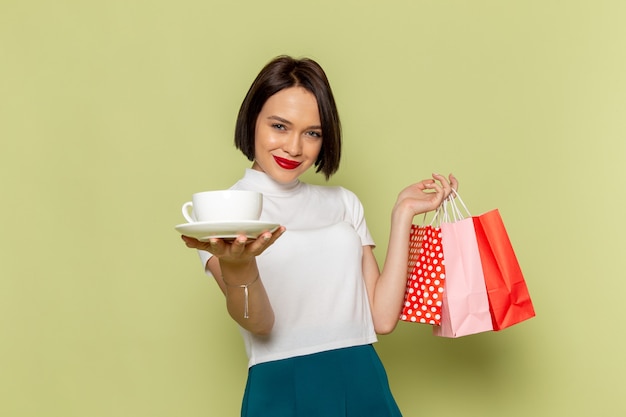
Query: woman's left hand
428, 194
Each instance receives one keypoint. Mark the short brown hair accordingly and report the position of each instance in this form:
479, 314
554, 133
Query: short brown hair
284, 72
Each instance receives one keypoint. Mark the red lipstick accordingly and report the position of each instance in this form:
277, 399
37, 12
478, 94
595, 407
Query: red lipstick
286, 163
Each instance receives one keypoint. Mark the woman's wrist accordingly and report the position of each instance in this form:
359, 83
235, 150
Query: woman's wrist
244, 287
239, 273
402, 212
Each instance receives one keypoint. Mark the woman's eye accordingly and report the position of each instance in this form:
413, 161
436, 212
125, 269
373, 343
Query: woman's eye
278, 126
315, 134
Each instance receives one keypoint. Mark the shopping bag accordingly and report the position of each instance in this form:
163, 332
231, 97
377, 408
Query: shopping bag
465, 309
426, 276
507, 291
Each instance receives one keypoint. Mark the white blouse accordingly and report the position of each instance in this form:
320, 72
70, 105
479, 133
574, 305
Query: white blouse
313, 273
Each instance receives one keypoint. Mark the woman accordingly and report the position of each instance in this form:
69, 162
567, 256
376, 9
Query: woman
314, 295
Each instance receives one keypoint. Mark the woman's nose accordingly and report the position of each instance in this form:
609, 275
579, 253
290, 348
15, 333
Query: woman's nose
293, 145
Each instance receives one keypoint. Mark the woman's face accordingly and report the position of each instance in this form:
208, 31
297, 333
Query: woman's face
288, 135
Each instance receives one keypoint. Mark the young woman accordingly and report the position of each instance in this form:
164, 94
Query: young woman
313, 291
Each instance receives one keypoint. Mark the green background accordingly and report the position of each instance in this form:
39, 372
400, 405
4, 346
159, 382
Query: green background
113, 113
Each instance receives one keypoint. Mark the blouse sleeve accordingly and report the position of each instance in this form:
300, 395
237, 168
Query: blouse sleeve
204, 258
356, 216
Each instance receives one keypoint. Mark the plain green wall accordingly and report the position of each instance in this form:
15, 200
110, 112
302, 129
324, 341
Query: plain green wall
113, 113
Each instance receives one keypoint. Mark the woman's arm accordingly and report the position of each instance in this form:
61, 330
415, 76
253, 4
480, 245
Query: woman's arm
234, 267
386, 288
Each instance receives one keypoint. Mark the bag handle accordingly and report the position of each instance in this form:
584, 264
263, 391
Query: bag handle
455, 213
441, 215
458, 196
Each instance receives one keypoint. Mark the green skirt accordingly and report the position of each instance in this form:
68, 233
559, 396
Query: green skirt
349, 382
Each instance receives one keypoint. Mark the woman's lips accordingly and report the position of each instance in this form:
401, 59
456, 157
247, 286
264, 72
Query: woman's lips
286, 163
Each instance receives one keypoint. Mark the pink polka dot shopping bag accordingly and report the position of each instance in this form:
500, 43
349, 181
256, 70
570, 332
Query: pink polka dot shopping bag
426, 276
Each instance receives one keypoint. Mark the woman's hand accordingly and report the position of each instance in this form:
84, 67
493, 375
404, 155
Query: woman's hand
426, 195
239, 250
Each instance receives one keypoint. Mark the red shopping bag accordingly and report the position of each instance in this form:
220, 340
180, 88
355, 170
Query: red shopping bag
465, 304
508, 294
426, 276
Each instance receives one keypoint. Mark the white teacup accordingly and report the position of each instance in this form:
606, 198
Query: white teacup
223, 206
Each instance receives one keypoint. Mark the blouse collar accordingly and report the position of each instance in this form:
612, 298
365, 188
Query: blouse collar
265, 184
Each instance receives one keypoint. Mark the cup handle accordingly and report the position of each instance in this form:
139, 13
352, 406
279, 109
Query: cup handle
187, 214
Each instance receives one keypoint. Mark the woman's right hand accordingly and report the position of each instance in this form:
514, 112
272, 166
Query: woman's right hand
238, 250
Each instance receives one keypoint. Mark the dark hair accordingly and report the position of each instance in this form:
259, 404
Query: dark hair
284, 72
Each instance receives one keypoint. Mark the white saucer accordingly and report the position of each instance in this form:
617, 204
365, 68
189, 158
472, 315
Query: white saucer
205, 230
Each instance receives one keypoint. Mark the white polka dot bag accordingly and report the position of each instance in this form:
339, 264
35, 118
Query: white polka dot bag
426, 276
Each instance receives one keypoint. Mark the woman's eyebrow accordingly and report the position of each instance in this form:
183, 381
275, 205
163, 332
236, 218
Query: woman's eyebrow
279, 119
